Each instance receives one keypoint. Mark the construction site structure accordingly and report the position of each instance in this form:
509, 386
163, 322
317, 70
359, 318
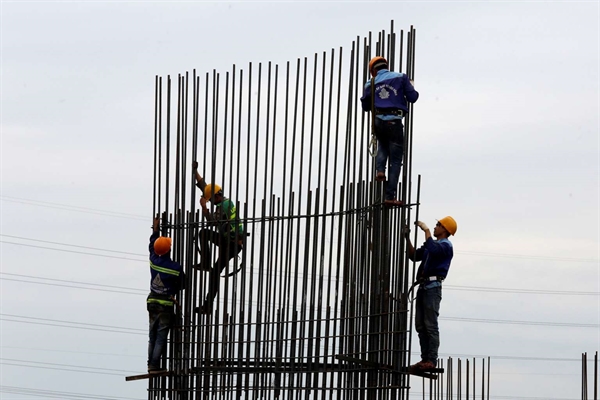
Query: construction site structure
317, 304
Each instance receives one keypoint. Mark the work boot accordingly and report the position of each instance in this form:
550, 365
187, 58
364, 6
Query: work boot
156, 370
416, 367
427, 365
380, 177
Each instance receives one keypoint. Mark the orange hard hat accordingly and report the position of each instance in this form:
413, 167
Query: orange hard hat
162, 245
449, 224
375, 63
210, 190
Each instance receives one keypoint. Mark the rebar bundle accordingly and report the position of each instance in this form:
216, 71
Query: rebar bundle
315, 303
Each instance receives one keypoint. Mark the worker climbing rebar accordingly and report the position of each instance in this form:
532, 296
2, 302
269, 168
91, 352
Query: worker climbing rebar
229, 236
392, 92
166, 280
435, 256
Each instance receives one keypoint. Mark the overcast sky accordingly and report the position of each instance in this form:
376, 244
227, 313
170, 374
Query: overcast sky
506, 139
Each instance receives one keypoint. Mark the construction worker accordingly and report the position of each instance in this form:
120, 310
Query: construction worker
392, 92
228, 236
166, 279
435, 256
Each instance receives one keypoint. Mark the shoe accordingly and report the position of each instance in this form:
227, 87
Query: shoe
416, 367
380, 177
427, 365
393, 203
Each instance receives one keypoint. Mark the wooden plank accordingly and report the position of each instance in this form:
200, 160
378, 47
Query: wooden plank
146, 376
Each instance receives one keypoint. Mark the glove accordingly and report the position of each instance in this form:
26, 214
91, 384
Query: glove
422, 226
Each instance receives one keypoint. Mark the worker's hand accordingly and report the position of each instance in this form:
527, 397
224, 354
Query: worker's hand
203, 202
194, 165
155, 224
406, 231
422, 226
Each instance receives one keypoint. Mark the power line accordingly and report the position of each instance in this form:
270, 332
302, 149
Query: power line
68, 365
56, 394
72, 251
72, 284
515, 322
73, 245
520, 291
66, 207
73, 352
528, 257
70, 324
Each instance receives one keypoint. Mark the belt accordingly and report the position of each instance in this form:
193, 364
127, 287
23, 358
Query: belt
428, 279
389, 111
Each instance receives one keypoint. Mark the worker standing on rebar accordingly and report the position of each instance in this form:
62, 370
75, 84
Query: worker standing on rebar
392, 92
166, 280
435, 256
229, 236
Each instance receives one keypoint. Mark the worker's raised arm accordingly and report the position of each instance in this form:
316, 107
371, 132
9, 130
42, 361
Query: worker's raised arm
200, 182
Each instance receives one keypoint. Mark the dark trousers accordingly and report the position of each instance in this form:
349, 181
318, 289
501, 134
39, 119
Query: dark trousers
228, 249
161, 318
426, 321
390, 147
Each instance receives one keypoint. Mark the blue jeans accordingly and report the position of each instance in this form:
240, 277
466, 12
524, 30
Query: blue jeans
161, 319
426, 320
390, 144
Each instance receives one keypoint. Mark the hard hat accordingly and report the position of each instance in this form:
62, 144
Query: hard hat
449, 224
376, 62
162, 245
211, 189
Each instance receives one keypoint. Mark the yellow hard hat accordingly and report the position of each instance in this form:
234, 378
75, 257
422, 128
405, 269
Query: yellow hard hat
376, 62
449, 224
211, 189
162, 245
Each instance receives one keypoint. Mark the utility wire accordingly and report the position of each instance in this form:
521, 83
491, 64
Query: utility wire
56, 394
72, 251
67, 324
68, 365
72, 208
74, 245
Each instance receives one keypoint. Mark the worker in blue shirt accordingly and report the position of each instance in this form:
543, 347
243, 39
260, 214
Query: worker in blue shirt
435, 257
393, 91
166, 280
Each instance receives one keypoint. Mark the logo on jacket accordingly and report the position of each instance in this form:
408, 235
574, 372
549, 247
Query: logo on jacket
158, 284
384, 94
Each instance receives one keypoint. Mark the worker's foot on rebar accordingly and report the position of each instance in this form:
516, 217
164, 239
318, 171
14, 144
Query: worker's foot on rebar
393, 202
380, 177
427, 365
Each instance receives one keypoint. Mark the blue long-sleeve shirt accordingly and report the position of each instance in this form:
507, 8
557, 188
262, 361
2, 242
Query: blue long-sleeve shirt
166, 276
393, 90
436, 256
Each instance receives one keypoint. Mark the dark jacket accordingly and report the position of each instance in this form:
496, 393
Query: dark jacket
166, 276
436, 256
